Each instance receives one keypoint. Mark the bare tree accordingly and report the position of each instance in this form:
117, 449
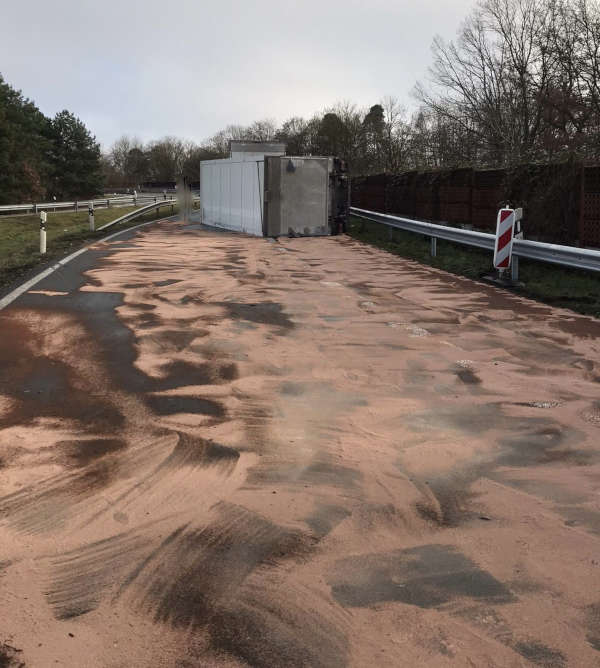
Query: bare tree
495, 80
397, 136
264, 130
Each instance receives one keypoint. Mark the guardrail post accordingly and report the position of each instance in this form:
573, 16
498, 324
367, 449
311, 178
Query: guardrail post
433, 246
172, 209
91, 215
135, 200
76, 206
164, 194
514, 268
42, 233
391, 233
35, 209
108, 204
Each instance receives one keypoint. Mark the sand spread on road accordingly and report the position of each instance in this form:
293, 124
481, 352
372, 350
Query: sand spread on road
227, 451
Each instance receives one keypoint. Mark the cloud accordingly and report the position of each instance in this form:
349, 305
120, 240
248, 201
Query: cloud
151, 69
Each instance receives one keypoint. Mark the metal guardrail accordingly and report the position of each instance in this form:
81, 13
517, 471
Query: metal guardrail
567, 256
139, 212
106, 202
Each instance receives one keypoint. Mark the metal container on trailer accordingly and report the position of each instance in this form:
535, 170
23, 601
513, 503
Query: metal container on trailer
304, 196
232, 189
260, 191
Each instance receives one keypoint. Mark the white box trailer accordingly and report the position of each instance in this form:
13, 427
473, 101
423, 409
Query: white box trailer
270, 194
232, 194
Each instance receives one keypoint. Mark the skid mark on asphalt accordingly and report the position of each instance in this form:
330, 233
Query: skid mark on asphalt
200, 567
279, 627
48, 504
540, 654
157, 466
526, 441
197, 578
81, 578
95, 465
427, 576
492, 623
436, 576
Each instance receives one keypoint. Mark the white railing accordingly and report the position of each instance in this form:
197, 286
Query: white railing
104, 202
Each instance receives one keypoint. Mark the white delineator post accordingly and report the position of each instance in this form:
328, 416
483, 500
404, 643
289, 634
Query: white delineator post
504, 238
42, 233
91, 216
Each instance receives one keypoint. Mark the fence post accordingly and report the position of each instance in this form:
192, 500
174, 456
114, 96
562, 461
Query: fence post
514, 268
91, 215
42, 233
433, 246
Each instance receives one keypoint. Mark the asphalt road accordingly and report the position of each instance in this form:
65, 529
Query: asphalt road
227, 451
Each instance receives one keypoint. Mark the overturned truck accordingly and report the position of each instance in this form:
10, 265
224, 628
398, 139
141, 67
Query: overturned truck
261, 191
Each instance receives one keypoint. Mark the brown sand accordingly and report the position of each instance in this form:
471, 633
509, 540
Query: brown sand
225, 451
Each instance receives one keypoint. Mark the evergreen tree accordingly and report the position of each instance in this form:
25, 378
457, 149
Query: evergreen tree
77, 168
25, 142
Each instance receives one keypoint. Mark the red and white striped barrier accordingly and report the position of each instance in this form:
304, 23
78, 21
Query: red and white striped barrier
505, 226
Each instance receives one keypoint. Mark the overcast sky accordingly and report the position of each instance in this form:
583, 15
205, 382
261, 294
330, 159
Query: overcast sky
189, 68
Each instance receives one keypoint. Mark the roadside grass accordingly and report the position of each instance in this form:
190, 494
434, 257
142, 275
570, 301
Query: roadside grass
66, 231
551, 284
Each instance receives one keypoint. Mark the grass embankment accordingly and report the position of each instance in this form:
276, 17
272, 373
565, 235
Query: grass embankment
66, 231
551, 284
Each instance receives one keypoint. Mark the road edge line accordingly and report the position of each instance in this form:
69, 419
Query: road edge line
21, 289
